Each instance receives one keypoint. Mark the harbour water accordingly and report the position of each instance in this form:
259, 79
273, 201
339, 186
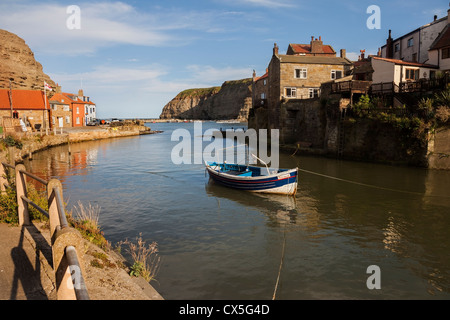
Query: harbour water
219, 243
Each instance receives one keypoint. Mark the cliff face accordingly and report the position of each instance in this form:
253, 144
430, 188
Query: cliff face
17, 62
232, 100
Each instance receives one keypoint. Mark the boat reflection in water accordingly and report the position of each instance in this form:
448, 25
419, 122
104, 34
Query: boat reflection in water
282, 208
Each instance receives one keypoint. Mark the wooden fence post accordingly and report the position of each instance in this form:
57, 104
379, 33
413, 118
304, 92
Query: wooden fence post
52, 206
21, 187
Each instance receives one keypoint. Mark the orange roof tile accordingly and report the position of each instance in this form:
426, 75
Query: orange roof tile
306, 48
262, 77
23, 100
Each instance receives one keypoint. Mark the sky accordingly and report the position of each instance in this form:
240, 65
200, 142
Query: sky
133, 57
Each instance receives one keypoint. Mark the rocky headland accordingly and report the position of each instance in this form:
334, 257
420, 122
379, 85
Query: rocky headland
17, 62
232, 100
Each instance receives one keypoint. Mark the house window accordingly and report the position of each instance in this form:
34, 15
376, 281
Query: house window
265, 81
314, 92
67, 119
446, 53
291, 92
53, 120
414, 57
78, 120
66, 108
78, 110
397, 47
301, 73
410, 42
263, 95
412, 74
336, 74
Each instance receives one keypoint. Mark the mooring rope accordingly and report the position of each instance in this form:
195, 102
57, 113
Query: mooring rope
281, 265
371, 186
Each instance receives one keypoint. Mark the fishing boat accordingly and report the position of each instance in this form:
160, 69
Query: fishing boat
253, 178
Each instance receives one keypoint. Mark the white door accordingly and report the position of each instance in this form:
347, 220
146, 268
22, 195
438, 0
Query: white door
61, 122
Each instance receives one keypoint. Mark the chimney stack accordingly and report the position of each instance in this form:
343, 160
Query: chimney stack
275, 49
80, 93
389, 46
343, 53
316, 45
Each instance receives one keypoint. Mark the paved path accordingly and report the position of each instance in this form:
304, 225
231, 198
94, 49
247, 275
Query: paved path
20, 266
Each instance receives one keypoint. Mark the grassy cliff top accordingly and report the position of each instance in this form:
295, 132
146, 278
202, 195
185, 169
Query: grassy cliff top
198, 92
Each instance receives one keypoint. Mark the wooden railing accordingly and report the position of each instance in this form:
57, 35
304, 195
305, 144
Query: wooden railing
351, 85
66, 242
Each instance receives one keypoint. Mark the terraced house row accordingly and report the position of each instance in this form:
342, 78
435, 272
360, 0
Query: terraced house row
36, 110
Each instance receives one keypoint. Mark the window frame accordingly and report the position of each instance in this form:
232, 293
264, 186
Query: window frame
414, 72
335, 76
293, 91
302, 73
314, 93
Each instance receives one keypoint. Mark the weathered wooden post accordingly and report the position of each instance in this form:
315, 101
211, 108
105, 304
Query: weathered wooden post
21, 188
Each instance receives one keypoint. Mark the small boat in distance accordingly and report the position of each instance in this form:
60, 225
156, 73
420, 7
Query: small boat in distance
254, 179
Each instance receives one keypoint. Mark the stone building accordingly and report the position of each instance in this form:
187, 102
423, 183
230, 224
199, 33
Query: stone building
299, 75
31, 106
61, 112
260, 89
83, 109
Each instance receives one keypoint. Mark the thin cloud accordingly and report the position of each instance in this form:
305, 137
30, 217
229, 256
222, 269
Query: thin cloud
44, 26
270, 3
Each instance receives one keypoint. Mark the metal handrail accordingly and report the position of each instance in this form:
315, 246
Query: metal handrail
61, 211
37, 207
70, 251
80, 286
34, 177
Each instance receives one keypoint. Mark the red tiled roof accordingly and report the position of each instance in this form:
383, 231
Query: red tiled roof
76, 99
406, 63
262, 77
23, 100
61, 98
306, 48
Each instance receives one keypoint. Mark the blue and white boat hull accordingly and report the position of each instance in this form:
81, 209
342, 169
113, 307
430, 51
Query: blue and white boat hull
249, 178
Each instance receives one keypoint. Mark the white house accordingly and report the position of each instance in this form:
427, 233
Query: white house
414, 45
440, 50
394, 70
